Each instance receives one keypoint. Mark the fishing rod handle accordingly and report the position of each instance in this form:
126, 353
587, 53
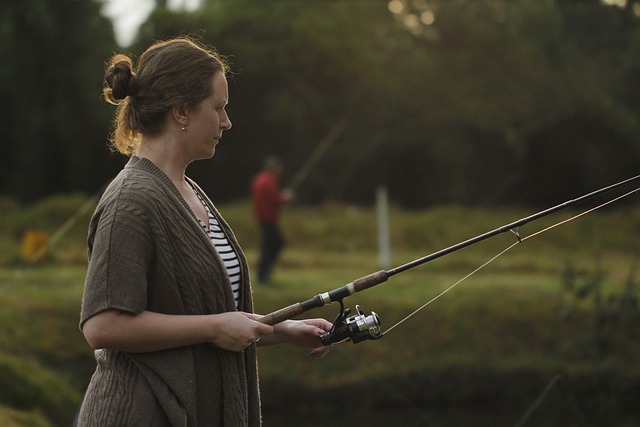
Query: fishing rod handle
370, 280
282, 314
320, 300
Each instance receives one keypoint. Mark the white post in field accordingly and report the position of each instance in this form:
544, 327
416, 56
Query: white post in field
384, 244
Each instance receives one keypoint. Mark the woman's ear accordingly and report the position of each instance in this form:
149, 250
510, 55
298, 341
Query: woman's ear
180, 115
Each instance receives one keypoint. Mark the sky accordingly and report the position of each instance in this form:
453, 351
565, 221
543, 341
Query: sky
127, 15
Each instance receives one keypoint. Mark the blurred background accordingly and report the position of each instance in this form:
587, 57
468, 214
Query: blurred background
473, 102
470, 113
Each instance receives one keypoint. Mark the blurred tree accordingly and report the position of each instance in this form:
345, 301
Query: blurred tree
55, 129
508, 72
299, 69
446, 103
476, 102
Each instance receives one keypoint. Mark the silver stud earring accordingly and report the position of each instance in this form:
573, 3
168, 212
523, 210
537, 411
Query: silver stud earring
184, 129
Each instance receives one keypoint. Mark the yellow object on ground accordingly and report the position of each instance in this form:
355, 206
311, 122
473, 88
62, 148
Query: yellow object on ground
35, 245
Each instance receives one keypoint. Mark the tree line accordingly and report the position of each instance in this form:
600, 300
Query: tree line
467, 102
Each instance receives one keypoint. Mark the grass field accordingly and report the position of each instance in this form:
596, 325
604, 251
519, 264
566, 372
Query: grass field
554, 318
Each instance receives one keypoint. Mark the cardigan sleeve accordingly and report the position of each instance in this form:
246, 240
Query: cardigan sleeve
120, 255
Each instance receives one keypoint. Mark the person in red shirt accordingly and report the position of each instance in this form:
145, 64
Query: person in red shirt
267, 200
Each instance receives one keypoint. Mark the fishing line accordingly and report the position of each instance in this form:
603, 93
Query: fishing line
55, 237
362, 326
319, 151
557, 379
450, 287
520, 240
64, 228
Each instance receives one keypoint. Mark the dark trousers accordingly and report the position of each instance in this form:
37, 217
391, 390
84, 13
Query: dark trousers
271, 244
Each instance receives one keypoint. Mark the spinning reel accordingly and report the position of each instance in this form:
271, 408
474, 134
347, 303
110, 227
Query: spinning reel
357, 328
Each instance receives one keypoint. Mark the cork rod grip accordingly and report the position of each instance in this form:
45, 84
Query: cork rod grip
283, 314
319, 300
370, 280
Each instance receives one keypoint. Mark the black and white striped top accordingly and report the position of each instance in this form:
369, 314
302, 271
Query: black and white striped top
224, 248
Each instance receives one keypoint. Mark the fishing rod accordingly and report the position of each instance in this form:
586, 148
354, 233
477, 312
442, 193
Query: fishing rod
360, 326
319, 151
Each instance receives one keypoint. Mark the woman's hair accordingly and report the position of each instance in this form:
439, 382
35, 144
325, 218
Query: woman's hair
170, 73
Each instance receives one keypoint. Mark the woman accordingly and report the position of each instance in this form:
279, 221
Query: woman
167, 303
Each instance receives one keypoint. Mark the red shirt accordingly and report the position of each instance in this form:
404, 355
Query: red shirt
265, 193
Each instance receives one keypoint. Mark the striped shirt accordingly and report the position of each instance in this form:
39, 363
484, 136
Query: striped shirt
224, 248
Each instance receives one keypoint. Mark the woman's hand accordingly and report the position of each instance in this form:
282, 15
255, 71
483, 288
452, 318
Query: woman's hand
237, 330
302, 333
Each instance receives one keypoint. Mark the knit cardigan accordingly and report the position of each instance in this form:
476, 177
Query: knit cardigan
147, 251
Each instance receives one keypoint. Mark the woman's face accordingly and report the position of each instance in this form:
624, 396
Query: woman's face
209, 119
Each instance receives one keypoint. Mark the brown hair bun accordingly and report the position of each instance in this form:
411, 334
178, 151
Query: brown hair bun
119, 79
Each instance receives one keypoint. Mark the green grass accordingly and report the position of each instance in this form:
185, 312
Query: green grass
490, 344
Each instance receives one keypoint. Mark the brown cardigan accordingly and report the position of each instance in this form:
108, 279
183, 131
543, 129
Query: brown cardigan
148, 252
